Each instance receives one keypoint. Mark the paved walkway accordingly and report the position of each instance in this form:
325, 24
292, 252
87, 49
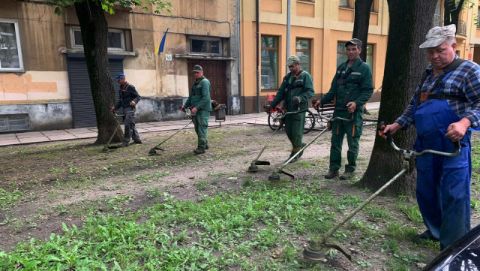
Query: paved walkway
146, 127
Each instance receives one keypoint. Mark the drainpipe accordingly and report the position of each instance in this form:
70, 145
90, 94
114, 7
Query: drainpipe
288, 33
239, 58
257, 18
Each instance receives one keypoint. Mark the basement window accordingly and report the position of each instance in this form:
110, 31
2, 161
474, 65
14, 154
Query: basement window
10, 46
14, 123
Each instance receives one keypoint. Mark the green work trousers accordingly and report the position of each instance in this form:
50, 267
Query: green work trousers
200, 121
353, 131
294, 125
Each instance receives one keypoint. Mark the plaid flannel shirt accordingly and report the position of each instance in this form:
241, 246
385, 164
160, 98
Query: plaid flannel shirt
464, 81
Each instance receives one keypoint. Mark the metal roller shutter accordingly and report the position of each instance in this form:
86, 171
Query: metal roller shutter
83, 111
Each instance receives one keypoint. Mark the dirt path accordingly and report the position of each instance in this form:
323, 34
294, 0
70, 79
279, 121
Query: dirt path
59, 181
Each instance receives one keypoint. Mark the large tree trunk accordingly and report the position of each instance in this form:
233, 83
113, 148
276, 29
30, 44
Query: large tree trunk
94, 27
405, 62
360, 26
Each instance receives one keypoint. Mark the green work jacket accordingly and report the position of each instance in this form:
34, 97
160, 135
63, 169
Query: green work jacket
350, 84
301, 86
200, 95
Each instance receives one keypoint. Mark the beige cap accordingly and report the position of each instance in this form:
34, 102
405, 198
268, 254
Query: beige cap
293, 60
438, 35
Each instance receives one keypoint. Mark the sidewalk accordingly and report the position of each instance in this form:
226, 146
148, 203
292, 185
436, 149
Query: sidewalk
146, 127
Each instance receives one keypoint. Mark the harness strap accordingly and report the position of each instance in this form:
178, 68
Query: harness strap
423, 96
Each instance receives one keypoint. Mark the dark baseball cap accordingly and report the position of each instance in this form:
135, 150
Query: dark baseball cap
354, 41
120, 76
197, 68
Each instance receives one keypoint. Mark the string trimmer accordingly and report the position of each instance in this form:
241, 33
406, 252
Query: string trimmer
275, 176
153, 151
316, 247
255, 163
107, 146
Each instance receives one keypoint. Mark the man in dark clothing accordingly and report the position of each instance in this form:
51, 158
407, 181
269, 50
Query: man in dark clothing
351, 88
200, 105
128, 101
295, 91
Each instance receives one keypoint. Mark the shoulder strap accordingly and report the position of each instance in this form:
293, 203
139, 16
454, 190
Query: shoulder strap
453, 66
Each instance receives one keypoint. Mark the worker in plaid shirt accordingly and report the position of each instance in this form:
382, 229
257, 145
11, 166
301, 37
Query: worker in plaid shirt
445, 105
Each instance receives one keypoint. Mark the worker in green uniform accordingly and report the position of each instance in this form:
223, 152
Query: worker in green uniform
200, 105
295, 91
350, 90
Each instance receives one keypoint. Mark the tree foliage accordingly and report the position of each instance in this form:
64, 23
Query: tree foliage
110, 5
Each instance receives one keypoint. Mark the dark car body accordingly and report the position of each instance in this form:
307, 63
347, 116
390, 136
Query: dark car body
463, 255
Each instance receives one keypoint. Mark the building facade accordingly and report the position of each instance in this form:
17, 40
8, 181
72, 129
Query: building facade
43, 77
318, 32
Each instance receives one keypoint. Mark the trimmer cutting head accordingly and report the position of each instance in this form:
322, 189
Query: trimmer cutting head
316, 252
274, 177
110, 148
153, 151
254, 165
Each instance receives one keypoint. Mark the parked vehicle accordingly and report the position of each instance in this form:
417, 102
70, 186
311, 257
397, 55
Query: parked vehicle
464, 254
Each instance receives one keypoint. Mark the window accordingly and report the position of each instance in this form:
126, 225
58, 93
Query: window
344, 4
10, 52
269, 64
303, 47
477, 23
212, 46
115, 39
342, 57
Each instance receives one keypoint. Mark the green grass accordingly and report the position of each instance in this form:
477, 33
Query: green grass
412, 212
213, 234
254, 229
7, 199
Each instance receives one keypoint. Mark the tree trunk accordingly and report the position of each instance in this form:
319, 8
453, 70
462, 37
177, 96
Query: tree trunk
452, 11
94, 28
405, 63
456, 13
361, 24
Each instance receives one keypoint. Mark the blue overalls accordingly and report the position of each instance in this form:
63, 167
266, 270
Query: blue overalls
443, 183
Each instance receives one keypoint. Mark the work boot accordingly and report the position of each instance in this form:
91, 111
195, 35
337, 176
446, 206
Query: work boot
199, 151
137, 142
206, 147
294, 159
347, 175
301, 153
331, 175
426, 235
125, 144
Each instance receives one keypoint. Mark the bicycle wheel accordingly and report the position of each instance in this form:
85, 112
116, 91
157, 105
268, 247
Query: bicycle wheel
323, 119
309, 122
274, 120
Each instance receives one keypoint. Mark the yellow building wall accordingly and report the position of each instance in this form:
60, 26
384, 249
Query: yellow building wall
324, 23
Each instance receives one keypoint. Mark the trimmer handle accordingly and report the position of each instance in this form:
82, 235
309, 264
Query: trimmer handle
381, 126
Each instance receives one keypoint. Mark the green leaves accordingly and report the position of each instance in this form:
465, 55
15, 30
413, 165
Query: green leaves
109, 6
8, 198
